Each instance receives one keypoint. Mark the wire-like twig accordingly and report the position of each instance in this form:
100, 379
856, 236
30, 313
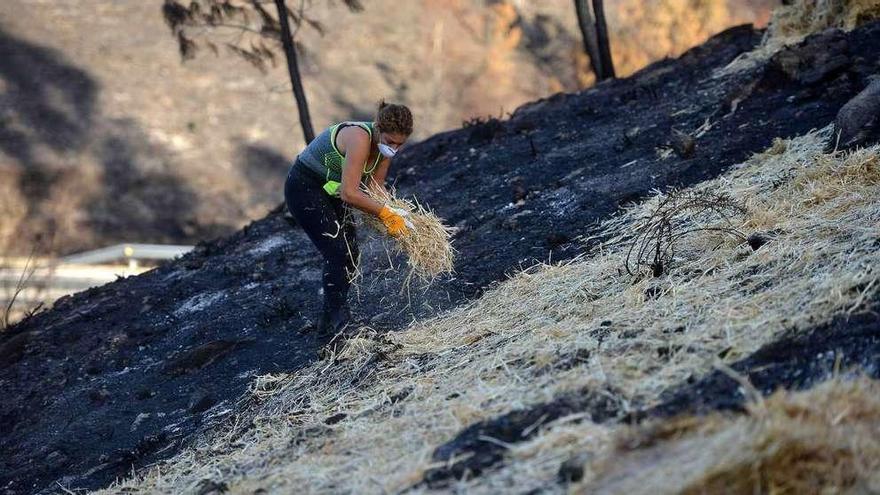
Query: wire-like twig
26, 273
677, 215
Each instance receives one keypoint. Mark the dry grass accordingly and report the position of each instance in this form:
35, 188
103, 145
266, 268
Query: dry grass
790, 24
427, 243
525, 342
826, 440
804, 17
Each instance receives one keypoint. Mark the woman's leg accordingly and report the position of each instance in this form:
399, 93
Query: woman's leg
323, 220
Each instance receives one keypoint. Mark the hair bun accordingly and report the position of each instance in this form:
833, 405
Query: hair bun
392, 117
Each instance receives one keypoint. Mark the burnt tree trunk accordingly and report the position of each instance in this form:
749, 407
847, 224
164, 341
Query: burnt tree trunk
602, 35
588, 34
293, 69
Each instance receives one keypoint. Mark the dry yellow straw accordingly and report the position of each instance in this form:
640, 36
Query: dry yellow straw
427, 240
819, 441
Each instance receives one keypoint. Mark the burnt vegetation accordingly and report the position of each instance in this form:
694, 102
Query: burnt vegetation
247, 29
679, 214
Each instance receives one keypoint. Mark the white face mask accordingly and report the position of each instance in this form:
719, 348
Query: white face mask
386, 150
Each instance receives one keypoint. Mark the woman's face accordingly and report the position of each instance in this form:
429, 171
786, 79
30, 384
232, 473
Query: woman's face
393, 139
390, 143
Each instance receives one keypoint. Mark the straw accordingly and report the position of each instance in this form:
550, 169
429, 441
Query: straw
821, 441
427, 242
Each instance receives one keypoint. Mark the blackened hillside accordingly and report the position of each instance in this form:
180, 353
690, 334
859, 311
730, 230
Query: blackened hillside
124, 374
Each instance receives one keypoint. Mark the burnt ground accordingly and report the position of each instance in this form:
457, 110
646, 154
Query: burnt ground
848, 345
123, 375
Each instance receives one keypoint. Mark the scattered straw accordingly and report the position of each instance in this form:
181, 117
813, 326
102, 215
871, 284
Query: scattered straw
368, 420
269, 384
427, 243
826, 440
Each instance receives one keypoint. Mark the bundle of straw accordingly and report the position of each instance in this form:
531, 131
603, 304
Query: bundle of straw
427, 240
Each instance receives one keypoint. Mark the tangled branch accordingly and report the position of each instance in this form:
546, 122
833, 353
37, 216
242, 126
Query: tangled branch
247, 28
679, 214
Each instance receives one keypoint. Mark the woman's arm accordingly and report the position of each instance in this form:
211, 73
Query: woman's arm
378, 179
356, 145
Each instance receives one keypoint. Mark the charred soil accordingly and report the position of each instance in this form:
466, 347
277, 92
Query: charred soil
120, 376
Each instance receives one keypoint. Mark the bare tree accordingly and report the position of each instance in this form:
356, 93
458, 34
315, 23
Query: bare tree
299, 93
587, 25
248, 29
604, 44
594, 32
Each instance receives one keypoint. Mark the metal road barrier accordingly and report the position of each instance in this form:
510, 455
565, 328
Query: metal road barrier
35, 281
130, 252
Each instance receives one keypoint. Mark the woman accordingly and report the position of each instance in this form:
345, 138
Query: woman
326, 180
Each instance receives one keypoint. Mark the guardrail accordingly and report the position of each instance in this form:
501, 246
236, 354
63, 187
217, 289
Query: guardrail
131, 252
29, 282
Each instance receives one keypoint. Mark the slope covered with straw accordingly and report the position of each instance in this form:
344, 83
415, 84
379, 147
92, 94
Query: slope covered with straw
368, 419
826, 440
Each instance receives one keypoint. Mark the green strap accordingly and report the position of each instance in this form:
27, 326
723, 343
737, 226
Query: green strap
332, 186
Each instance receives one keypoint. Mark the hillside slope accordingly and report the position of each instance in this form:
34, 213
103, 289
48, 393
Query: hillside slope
122, 375
107, 137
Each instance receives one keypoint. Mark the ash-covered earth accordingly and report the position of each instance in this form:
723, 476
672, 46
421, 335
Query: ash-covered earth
122, 375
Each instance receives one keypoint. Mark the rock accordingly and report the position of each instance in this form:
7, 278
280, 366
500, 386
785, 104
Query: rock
758, 239
630, 135
211, 487
518, 189
683, 144
99, 396
201, 356
201, 401
557, 239
572, 470
857, 118
332, 420
819, 57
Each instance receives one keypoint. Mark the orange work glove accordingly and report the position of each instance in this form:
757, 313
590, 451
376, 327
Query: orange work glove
393, 220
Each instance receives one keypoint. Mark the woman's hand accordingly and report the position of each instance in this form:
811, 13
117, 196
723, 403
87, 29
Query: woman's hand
395, 220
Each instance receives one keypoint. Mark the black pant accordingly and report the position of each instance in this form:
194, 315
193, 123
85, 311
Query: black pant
329, 225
